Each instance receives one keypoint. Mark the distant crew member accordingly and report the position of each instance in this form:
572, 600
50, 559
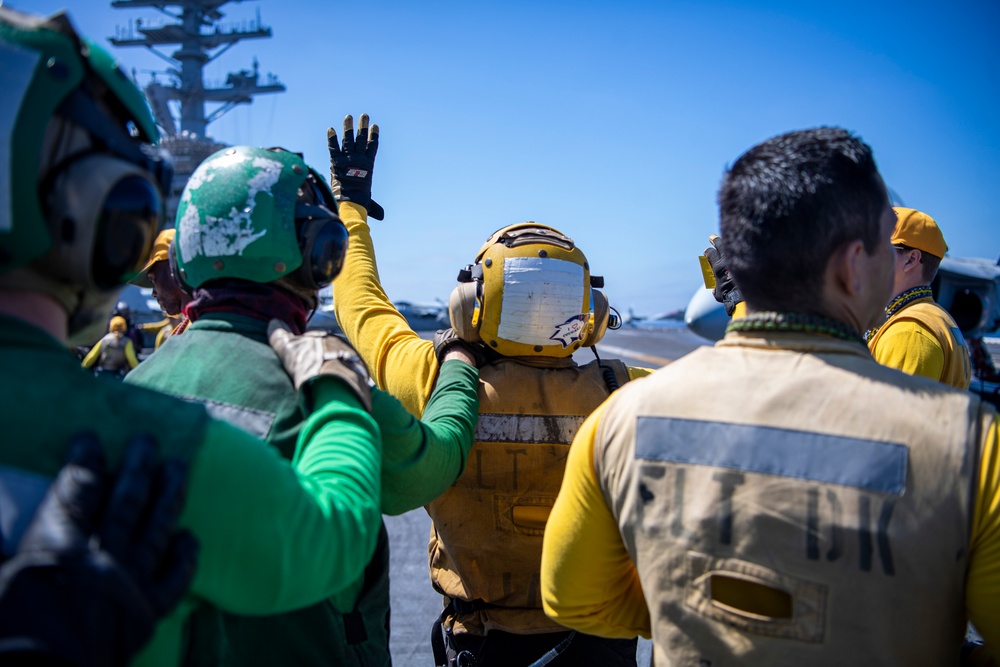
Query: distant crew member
114, 354
132, 332
918, 336
526, 303
780, 498
166, 291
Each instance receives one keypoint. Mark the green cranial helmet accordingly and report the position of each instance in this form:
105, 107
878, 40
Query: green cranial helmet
258, 215
44, 63
81, 182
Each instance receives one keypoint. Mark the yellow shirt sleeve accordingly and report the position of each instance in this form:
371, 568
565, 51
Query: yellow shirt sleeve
588, 581
130, 357
400, 362
982, 589
636, 372
910, 347
154, 327
92, 356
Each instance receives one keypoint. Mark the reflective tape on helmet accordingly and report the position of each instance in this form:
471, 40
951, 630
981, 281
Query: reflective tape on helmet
540, 296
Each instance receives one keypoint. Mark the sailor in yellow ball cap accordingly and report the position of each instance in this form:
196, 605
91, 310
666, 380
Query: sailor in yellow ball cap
918, 336
171, 297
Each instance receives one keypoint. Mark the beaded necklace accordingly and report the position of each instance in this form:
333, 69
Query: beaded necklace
794, 322
906, 298
901, 301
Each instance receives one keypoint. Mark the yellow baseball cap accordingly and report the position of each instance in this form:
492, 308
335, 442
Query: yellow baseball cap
918, 230
161, 248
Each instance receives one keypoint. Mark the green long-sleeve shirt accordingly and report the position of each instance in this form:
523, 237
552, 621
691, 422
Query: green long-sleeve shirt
274, 536
224, 361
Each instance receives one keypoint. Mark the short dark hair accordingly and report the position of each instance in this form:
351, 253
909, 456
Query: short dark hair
788, 204
929, 265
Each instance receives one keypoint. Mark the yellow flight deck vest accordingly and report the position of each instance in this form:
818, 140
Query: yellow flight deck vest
486, 541
957, 362
113, 353
788, 501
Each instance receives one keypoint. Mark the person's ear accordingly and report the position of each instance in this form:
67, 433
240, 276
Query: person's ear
913, 257
846, 267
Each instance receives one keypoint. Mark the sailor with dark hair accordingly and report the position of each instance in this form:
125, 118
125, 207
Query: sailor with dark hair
781, 498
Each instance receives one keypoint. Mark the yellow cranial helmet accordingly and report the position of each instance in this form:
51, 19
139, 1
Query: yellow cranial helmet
529, 293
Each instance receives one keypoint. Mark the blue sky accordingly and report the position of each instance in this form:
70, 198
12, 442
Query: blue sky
613, 122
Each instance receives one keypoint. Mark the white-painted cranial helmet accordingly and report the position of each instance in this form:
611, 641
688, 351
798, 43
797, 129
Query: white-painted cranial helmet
529, 293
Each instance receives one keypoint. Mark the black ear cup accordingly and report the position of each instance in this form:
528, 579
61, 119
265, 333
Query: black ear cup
323, 243
102, 214
321, 234
129, 218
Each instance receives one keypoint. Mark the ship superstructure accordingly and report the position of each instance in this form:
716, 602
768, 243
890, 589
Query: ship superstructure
183, 104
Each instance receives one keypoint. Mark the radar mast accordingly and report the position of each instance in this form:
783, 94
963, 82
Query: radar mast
179, 95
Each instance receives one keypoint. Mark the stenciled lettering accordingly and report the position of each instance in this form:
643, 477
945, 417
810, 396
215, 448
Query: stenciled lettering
728, 481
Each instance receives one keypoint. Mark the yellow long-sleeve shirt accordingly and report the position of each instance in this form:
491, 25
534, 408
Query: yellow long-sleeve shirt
400, 362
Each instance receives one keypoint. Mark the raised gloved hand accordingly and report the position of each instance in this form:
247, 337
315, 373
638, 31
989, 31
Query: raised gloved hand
446, 340
352, 162
92, 574
725, 291
318, 353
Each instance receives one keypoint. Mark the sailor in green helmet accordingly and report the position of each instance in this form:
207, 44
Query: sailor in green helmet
257, 236
81, 186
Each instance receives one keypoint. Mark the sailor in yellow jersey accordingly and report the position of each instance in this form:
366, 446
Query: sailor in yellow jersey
527, 302
780, 498
918, 336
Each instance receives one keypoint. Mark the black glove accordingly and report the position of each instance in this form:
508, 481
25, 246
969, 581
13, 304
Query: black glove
445, 339
318, 353
726, 292
352, 162
86, 586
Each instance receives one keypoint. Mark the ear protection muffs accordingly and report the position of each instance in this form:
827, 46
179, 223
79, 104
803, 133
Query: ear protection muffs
463, 310
599, 315
322, 235
323, 243
102, 213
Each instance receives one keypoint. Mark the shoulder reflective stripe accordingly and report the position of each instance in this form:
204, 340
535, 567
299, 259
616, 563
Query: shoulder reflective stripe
864, 464
255, 422
557, 430
15, 78
20, 494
